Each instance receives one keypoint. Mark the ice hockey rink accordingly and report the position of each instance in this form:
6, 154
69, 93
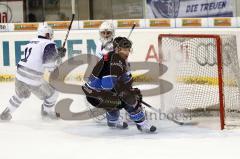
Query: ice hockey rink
189, 50
28, 136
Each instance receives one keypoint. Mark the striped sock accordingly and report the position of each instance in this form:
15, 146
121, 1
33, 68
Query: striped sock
14, 103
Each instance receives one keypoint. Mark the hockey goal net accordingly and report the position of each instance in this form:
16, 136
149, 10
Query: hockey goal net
204, 70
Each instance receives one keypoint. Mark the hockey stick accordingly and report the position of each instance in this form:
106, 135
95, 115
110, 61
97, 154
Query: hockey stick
70, 25
131, 30
171, 119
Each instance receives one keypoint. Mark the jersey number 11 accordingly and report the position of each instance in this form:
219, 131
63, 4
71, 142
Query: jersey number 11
27, 53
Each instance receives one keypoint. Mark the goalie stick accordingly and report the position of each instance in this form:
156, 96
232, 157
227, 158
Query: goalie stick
171, 119
70, 25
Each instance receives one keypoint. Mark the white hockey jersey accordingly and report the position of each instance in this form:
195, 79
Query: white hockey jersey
38, 55
102, 50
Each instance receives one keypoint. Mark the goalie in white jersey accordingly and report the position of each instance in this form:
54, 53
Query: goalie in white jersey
40, 54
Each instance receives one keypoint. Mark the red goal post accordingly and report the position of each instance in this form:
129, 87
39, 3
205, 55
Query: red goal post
218, 46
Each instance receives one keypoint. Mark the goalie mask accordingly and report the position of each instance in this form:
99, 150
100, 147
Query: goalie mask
44, 30
106, 32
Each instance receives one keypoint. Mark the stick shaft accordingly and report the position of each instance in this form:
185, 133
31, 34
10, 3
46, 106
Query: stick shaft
69, 28
149, 106
73, 6
70, 25
131, 30
171, 119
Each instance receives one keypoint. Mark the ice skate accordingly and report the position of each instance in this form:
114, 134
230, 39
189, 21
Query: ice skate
49, 115
117, 124
6, 115
146, 127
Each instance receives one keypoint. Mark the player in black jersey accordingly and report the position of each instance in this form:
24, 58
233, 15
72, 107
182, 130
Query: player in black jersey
110, 87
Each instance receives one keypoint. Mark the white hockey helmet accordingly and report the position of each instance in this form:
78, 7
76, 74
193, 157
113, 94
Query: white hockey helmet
45, 29
106, 32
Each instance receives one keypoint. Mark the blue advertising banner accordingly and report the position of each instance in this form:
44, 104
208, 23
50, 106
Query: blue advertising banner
190, 8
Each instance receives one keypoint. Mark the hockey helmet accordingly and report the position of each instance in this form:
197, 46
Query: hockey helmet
45, 29
122, 42
106, 32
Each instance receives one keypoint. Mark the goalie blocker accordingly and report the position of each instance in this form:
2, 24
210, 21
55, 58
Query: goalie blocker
110, 87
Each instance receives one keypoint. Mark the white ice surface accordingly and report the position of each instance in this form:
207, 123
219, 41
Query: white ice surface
28, 137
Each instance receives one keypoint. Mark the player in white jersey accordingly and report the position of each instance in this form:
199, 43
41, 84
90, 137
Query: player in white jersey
40, 54
105, 43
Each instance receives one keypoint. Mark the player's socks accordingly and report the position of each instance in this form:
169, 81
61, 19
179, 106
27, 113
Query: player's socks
114, 120
141, 122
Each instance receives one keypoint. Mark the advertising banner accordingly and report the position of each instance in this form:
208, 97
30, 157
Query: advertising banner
11, 11
25, 26
190, 8
160, 23
222, 22
127, 23
3, 27
59, 24
92, 24
191, 22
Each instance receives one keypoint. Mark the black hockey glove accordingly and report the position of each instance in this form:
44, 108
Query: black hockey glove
137, 93
61, 51
131, 96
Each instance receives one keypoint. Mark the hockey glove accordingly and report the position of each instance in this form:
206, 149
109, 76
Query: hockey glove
137, 93
61, 51
131, 97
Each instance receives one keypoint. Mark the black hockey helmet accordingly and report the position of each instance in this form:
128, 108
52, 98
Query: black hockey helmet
122, 42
